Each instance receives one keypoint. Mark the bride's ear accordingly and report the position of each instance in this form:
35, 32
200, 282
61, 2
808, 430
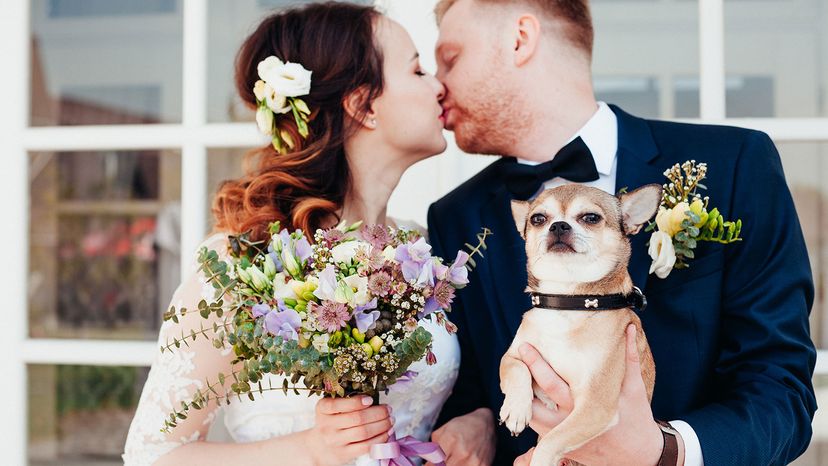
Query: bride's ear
357, 107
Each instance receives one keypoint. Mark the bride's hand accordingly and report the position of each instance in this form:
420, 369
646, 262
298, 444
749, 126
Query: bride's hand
346, 428
468, 439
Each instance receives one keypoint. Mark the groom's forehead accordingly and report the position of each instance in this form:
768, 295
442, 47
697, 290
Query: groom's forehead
458, 25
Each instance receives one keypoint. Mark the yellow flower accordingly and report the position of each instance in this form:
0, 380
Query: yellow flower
669, 220
697, 207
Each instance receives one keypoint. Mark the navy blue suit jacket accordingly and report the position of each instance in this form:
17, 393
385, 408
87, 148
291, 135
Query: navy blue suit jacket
730, 335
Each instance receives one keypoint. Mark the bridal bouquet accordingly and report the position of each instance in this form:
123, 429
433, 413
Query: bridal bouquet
340, 314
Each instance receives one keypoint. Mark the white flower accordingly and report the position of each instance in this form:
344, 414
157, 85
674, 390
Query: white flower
345, 252
264, 119
359, 285
389, 253
268, 66
277, 103
288, 80
282, 289
663, 254
320, 342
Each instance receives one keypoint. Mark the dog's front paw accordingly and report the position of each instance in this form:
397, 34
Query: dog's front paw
516, 413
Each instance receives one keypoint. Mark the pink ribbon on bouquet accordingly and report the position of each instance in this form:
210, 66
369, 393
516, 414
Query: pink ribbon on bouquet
395, 452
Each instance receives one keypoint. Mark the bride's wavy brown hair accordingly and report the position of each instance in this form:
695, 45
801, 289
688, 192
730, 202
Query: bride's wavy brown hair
307, 185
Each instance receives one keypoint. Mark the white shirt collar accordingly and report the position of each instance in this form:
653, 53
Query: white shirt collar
600, 134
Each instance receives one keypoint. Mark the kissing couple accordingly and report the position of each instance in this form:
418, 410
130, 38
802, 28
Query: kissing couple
340, 90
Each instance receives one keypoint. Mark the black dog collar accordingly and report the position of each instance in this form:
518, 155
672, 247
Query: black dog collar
610, 302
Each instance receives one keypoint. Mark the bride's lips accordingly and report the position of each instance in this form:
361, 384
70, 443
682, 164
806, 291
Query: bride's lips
444, 116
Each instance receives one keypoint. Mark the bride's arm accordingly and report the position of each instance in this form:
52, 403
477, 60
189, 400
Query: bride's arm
345, 428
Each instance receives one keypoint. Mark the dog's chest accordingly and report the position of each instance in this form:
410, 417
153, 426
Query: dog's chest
571, 341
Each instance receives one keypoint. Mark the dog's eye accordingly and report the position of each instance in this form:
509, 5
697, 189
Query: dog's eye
591, 219
538, 219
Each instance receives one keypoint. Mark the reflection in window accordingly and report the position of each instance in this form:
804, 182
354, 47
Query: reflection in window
747, 96
80, 415
229, 22
104, 243
635, 95
114, 62
75, 8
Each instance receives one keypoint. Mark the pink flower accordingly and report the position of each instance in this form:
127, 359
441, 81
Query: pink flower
379, 284
377, 235
431, 359
443, 294
331, 316
441, 298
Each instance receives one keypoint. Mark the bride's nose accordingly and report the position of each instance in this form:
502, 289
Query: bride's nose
441, 89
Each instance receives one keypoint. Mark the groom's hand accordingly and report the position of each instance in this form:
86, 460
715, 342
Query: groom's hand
468, 439
635, 440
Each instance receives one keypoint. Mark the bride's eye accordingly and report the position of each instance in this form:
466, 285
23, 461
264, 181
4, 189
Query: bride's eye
420, 72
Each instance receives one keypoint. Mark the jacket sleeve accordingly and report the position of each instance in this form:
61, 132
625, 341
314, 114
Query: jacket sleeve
468, 393
764, 402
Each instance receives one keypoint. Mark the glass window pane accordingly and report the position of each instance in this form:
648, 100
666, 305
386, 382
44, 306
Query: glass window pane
80, 415
779, 52
105, 62
104, 252
222, 165
806, 166
641, 48
230, 21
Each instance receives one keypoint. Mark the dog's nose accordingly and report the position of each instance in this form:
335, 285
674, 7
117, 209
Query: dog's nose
560, 228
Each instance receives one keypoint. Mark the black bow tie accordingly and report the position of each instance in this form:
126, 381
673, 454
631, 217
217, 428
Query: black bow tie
574, 162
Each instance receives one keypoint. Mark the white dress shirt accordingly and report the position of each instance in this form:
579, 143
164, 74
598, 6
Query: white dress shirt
600, 134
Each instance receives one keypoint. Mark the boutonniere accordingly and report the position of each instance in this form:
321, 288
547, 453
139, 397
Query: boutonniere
685, 218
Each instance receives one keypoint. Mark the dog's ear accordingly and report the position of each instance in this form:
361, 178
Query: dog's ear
520, 209
639, 206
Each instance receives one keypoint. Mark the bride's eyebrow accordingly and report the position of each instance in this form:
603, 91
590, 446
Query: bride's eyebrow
416, 56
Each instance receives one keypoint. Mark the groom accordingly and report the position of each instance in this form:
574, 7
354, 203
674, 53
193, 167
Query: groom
730, 335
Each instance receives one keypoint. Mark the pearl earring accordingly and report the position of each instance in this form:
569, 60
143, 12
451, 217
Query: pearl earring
373, 122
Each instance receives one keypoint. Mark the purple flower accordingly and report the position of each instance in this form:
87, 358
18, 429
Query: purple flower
365, 321
277, 261
458, 274
417, 263
260, 310
331, 316
404, 381
284, 323
418, 252
303, 248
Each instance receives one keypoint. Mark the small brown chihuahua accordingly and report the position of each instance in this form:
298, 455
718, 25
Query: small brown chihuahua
577, 250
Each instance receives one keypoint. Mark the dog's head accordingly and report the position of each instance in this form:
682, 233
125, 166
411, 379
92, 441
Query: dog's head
577, 234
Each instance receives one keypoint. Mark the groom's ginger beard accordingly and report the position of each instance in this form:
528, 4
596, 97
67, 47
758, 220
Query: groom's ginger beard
486, 118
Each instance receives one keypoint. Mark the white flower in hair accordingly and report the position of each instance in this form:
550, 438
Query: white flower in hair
277, 93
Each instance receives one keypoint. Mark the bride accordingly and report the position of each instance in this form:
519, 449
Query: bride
374, 114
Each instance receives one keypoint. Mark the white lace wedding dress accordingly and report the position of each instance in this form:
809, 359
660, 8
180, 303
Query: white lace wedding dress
176, 374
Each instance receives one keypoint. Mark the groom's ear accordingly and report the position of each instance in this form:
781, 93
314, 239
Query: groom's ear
527, 36
520, 209
357, 107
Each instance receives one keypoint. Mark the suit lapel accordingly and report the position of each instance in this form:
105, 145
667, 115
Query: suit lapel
637, 153
505, 262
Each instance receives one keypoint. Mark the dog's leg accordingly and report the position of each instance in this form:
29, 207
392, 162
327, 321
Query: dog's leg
516, 384
596, 409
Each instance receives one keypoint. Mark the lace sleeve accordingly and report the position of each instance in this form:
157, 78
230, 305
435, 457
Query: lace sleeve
176, 374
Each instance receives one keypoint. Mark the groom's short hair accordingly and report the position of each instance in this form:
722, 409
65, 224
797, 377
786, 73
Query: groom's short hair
574, 14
